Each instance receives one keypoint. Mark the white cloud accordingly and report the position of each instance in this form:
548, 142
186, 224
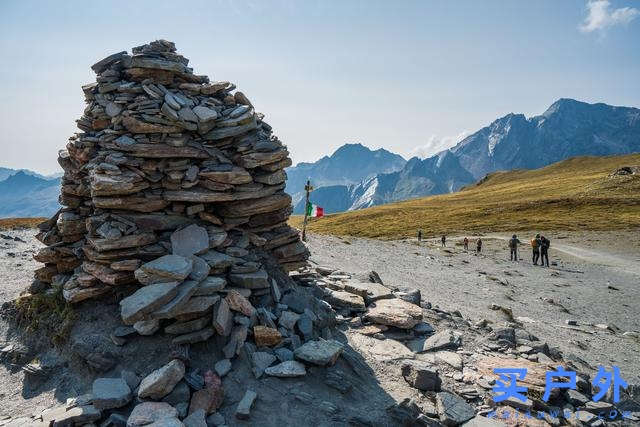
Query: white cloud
600, 16
435, 144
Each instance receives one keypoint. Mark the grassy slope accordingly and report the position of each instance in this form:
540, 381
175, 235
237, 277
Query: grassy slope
575, 194
11, 223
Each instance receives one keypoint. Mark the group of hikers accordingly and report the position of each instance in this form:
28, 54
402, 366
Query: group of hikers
465, 242
539, 244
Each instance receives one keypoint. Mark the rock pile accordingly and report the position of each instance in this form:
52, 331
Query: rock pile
173, 178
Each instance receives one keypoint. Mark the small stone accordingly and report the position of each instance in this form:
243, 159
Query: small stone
191, 240
160, 382
283, 354
222, 367
180, 393
255, 280
421, 376
243, 411
260, 361
109, 393
216, 419
288, 319
130, 378
322, 352
346, 300
147, 327
452, 409
240, 304
211, 285
287, 369
200, 269
222, 318
450, 358
205, 114
149, 412
209, 398
265, 336
180, 328
196, 419
193, 337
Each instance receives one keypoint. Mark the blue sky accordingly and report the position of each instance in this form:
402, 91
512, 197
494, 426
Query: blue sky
409, 76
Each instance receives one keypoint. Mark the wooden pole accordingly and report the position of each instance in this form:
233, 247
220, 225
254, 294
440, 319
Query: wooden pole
307, 188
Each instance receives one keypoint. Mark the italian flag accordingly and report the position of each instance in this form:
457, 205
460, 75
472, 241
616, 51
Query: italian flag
314, 211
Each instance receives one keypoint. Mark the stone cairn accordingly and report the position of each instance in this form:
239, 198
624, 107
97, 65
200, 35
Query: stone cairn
174, 187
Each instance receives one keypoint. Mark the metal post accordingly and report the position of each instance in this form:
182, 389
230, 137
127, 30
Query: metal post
307, 188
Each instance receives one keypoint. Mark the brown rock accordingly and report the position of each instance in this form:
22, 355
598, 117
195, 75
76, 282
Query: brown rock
123, 242
137, 126
239, 303
265, 336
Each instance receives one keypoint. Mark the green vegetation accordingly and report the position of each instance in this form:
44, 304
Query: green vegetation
47, 313
575, 194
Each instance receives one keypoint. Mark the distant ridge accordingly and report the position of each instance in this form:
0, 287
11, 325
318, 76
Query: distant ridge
566, 129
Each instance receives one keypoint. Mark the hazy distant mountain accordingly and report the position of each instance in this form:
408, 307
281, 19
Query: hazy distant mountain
7, 172
27, 195
349, 164
568, 128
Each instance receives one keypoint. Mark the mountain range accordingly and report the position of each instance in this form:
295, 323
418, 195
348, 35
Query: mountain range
566, 129
356, 177
27, 194
348, 165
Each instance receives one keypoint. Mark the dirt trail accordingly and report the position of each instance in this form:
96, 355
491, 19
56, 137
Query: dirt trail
591, 256
591, 286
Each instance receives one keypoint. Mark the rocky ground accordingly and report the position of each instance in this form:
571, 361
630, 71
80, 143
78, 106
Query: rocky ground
478, 312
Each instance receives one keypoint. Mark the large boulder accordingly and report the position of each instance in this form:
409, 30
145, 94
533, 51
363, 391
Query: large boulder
395, 312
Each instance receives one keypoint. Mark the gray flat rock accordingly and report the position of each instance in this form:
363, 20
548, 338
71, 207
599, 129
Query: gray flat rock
185, 291
288, 369
256, 280
164, 269
211, 285
109, 393
453, 409
145, 300
161, 382
322, 352
191, 240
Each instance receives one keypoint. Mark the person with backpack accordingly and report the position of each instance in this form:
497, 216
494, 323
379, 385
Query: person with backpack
419, 235
479, 245
544, 250
535, 245
465, 242
443, 239
513, 246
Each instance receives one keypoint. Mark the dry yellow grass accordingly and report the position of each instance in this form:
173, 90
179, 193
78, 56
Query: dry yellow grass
575, 194
12, 223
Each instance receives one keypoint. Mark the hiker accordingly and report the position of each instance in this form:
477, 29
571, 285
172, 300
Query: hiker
465, 242
419, 235
479, 245
443, 239
535, 246
544, 250
513, 245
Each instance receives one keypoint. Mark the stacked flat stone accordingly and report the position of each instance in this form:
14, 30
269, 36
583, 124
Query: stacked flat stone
175, 183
